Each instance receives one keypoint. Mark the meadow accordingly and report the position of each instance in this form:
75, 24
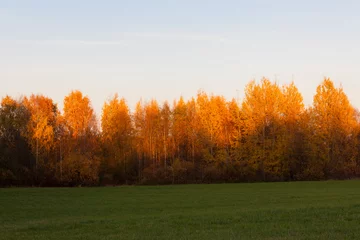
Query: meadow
291, 210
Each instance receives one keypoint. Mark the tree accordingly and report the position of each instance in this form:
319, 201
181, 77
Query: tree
153, 137
16, 159
139, 136
166, 126
79, 115
292, 118
214, 119
179, 128
334, 131
117, 132
81, 162
262, 111
41, 132
192, 127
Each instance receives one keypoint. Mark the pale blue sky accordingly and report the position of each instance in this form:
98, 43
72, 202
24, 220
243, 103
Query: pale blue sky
164, 49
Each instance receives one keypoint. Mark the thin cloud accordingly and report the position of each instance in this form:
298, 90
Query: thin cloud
183, 36
127, 37
73, 42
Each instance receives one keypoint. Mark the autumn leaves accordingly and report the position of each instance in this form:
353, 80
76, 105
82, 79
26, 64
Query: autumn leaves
270, 136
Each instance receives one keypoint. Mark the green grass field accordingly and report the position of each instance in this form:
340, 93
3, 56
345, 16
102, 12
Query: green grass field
301, 210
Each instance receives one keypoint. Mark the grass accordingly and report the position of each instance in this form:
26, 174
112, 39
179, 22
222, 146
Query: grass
296, 210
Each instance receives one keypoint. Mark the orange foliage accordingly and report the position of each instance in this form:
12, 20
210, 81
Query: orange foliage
78, 114
270, 135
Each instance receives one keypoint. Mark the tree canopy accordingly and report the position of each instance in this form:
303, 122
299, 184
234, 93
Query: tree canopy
269, 136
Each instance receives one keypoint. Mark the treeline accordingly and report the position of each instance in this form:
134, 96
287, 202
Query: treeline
270, 136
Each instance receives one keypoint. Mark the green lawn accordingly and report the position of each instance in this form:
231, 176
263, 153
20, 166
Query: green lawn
298, 210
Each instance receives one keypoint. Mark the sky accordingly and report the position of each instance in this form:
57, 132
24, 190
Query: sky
165, 49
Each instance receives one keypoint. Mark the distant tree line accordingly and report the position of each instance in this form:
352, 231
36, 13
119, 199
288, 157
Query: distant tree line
270, 136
